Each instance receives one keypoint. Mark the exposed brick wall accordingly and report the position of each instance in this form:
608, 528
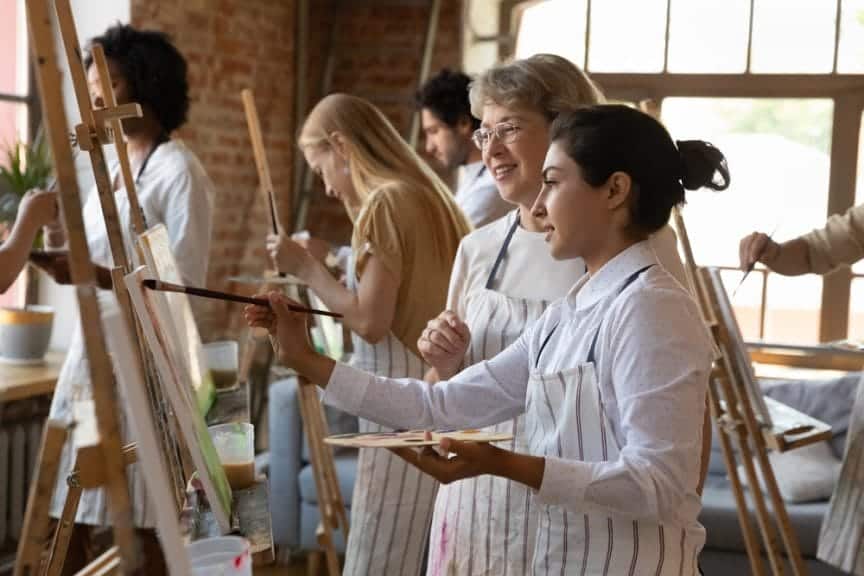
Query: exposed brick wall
234, 44
231, 45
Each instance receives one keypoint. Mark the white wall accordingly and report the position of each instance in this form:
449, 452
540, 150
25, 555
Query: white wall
92, 17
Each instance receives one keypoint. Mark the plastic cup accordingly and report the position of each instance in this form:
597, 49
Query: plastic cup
222, 359
222, 556
235, 444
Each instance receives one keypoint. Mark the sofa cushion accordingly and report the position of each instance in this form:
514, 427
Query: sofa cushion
346, 471
720, 518
807, 474
338, 422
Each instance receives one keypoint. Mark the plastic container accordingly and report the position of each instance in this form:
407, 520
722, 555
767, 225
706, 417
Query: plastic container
222, 359
235, 444
222, 556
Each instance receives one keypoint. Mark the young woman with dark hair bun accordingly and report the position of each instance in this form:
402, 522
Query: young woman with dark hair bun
612, 379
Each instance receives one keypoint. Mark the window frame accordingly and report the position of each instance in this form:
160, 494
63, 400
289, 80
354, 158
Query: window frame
845, 90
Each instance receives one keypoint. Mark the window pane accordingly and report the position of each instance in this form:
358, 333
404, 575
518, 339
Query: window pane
627, 36
856, 310
851, 56
13, 125
13, 48
555, 27
726, 51
762, 139
793, 36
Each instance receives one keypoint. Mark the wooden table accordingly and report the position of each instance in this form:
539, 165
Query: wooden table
22, 382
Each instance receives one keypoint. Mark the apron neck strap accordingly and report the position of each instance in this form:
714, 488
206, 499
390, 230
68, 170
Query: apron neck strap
490, 281
630, 279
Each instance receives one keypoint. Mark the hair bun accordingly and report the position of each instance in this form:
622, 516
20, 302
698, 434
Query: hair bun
702, 165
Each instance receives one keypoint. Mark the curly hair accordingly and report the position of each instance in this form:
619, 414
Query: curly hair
446, 96
153, 68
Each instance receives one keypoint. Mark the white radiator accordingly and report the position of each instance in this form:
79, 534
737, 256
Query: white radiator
21, 425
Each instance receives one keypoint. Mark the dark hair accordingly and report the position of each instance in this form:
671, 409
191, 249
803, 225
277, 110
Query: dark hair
446, 96
153, 68
615, 138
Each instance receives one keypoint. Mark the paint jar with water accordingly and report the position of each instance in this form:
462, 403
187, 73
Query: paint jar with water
222, 359
222, 556
235, 444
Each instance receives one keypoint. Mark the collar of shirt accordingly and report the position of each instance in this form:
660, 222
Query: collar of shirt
590, 290
470, 173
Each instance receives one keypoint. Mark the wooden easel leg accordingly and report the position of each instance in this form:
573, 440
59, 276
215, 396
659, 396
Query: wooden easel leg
65, 527
36, 520
757, 565
313, 563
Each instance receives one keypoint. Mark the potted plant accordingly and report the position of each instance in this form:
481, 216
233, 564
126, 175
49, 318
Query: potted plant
24, 332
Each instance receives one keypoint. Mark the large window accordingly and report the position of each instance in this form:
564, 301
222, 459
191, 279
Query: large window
14, 91
769, 82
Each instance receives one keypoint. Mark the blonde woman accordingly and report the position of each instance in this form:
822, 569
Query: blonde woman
503, 279
406, 231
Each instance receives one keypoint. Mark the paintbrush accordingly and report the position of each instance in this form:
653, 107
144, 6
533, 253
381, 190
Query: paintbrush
753, 264
152, 284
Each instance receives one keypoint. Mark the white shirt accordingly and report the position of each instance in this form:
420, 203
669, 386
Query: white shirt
653, 358
173, 190
478, 196
528, 270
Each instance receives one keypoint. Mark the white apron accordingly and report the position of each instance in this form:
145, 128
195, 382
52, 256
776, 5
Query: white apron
841, 541
565, 418
392, 502
486, 525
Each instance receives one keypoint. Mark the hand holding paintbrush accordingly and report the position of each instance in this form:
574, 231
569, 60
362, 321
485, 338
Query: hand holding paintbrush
756, 247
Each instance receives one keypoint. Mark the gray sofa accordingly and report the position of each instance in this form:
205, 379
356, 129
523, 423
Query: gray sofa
295, 519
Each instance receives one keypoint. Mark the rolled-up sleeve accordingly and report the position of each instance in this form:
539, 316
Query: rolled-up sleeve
482, 395
658, 357
840, 242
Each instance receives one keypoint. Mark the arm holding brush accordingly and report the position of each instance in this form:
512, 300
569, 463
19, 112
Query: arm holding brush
37, 209
840, 242
369, 312
789, 258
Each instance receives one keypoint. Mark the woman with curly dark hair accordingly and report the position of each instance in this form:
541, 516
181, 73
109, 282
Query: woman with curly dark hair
173, 190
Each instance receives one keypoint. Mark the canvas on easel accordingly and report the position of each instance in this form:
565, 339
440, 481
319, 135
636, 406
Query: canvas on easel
154, 315
155, 246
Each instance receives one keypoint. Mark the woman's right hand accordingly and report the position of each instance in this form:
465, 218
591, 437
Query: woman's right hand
38, 208
757, 247
286, 326
443, 343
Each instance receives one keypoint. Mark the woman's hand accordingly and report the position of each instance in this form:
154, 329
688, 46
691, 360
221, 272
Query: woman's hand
757, 247
470, 459
38, 208
443, 343
287, 327
288, 256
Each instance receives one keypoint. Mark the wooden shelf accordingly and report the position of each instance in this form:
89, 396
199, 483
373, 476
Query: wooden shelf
253, 506
22, 382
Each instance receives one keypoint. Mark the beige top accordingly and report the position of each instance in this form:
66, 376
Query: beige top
840, 242
415, 235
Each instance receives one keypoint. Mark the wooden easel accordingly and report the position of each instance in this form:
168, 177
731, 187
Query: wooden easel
330, 503
83, 276
732, 390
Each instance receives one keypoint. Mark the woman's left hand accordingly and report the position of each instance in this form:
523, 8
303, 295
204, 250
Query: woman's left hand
288, 256
287, 327
471, 459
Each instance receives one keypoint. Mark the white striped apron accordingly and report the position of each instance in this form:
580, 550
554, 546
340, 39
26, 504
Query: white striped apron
841, 541
392, 502
486, 525
565, 418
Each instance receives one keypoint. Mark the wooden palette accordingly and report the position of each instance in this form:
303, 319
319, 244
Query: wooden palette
409, 438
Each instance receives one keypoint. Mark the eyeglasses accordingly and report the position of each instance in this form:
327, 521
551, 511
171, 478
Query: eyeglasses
505, 132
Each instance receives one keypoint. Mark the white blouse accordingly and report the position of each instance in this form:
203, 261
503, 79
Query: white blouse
653, 359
